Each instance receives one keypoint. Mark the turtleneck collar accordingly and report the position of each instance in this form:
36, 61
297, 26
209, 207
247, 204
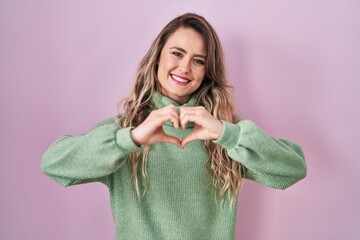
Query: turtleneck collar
160, 101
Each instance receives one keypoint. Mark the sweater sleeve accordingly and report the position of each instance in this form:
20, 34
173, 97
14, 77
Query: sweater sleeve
90, 157
276, 163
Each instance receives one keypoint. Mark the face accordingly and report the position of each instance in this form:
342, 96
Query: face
181, 67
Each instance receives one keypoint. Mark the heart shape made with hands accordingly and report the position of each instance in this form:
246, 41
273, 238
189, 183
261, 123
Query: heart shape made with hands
206, 126
195, 134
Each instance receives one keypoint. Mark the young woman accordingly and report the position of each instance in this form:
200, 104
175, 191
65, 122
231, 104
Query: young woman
175, 159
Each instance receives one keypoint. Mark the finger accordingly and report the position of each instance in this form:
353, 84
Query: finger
189, 138
168, 114
173, 116
189, 115
184, 111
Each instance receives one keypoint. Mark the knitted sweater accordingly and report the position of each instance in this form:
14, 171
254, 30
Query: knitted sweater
180, 202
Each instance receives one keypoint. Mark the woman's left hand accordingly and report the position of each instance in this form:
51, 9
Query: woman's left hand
207, 127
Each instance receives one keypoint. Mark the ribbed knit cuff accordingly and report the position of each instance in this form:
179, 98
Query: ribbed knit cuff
125, 142
230, 135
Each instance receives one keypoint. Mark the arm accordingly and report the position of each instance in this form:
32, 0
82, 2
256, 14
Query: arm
89, 157
276, 163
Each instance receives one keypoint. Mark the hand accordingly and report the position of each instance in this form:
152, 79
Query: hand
150, 131
207, 127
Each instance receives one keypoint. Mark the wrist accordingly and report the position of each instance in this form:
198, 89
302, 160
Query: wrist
230, 135
134, 137
220, 131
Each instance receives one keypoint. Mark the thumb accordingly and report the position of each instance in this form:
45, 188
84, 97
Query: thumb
189, 138
171, 139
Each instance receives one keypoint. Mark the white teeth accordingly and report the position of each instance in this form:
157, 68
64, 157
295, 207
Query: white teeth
179, 79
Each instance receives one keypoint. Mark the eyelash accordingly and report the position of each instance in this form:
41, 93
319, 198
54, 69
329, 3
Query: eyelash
199, 61
177, 54
196, 61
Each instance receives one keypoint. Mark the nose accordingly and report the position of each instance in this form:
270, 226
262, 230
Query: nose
184, 65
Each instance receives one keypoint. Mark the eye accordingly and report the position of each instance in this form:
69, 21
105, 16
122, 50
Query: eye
198, 61
177, 54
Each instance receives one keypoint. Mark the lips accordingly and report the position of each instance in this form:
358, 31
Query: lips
180, 80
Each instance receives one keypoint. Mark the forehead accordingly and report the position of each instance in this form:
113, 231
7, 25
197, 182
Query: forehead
188, 39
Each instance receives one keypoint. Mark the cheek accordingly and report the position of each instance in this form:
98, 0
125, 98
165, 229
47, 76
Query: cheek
162, 69
166, 62
200, 74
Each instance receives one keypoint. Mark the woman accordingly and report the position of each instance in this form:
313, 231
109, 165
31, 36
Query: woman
176, 158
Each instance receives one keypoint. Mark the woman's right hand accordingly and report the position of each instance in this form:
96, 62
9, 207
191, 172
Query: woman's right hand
150, 131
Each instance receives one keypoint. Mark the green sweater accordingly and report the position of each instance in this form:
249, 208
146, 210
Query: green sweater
180, 202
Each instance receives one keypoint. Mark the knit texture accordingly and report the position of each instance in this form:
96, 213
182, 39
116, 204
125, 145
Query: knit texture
180, 202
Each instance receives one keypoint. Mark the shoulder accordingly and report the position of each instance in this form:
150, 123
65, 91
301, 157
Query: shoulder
114, 120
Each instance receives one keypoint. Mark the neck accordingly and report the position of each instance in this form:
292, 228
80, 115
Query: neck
159, 101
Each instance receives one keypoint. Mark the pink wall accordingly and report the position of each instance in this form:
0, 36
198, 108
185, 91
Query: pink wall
295, 68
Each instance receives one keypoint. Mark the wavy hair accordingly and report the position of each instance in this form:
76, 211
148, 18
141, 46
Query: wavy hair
213, 94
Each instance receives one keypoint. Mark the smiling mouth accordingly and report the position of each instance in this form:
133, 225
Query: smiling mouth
179, 79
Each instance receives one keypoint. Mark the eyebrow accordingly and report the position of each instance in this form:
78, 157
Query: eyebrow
184, 51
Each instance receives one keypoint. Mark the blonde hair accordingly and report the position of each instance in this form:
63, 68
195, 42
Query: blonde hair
213, 94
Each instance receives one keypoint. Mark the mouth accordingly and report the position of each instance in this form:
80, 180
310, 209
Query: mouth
180, 80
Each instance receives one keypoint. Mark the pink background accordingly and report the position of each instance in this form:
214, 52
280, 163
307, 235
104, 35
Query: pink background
295, 68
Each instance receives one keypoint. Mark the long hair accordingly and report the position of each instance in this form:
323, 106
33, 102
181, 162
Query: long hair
213, 94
